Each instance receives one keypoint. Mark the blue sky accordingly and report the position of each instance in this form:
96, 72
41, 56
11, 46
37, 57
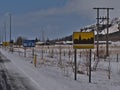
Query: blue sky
57, 18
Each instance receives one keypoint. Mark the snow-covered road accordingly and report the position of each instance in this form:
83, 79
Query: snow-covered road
12, 78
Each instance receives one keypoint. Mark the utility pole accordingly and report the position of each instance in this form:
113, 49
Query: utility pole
107, 35
43, 39
10, 25
11, 41
5, 30
97, 30
1, 37
107, 44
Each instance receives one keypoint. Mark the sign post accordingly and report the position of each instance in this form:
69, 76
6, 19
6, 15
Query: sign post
6, 44
83, 40
90, 67
75, 63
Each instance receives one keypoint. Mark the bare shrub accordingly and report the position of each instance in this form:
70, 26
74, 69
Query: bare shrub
87, 62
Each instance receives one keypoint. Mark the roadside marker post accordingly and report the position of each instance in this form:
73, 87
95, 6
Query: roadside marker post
35, 60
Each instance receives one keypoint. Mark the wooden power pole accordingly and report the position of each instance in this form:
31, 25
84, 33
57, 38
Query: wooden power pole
107, 34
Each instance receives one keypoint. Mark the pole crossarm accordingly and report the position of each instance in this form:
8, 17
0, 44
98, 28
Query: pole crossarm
103, 8
102, 18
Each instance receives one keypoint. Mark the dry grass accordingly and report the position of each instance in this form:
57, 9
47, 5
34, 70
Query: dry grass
63, 56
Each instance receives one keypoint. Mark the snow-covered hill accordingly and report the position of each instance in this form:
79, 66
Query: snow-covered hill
114, 30
113, 27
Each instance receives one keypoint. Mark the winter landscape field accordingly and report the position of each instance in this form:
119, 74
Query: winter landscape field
54, 68
59, 45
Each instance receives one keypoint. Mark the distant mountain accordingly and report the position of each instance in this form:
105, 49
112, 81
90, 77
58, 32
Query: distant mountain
114, 30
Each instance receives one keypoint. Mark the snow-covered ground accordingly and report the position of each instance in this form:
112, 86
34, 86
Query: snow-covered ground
112, 29
50, 76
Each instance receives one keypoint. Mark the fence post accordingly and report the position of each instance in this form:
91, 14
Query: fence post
117, 57
24, 51
35, 60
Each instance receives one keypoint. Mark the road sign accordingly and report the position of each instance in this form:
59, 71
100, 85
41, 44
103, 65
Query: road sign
6, 43
83, 40
29, 43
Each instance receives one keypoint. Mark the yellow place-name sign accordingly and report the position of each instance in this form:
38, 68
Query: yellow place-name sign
83, 40
6, 43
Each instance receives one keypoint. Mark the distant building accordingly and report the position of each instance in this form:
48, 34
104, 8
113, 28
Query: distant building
103, 42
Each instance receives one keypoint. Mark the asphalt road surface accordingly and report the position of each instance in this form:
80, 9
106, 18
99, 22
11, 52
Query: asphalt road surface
12, 80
